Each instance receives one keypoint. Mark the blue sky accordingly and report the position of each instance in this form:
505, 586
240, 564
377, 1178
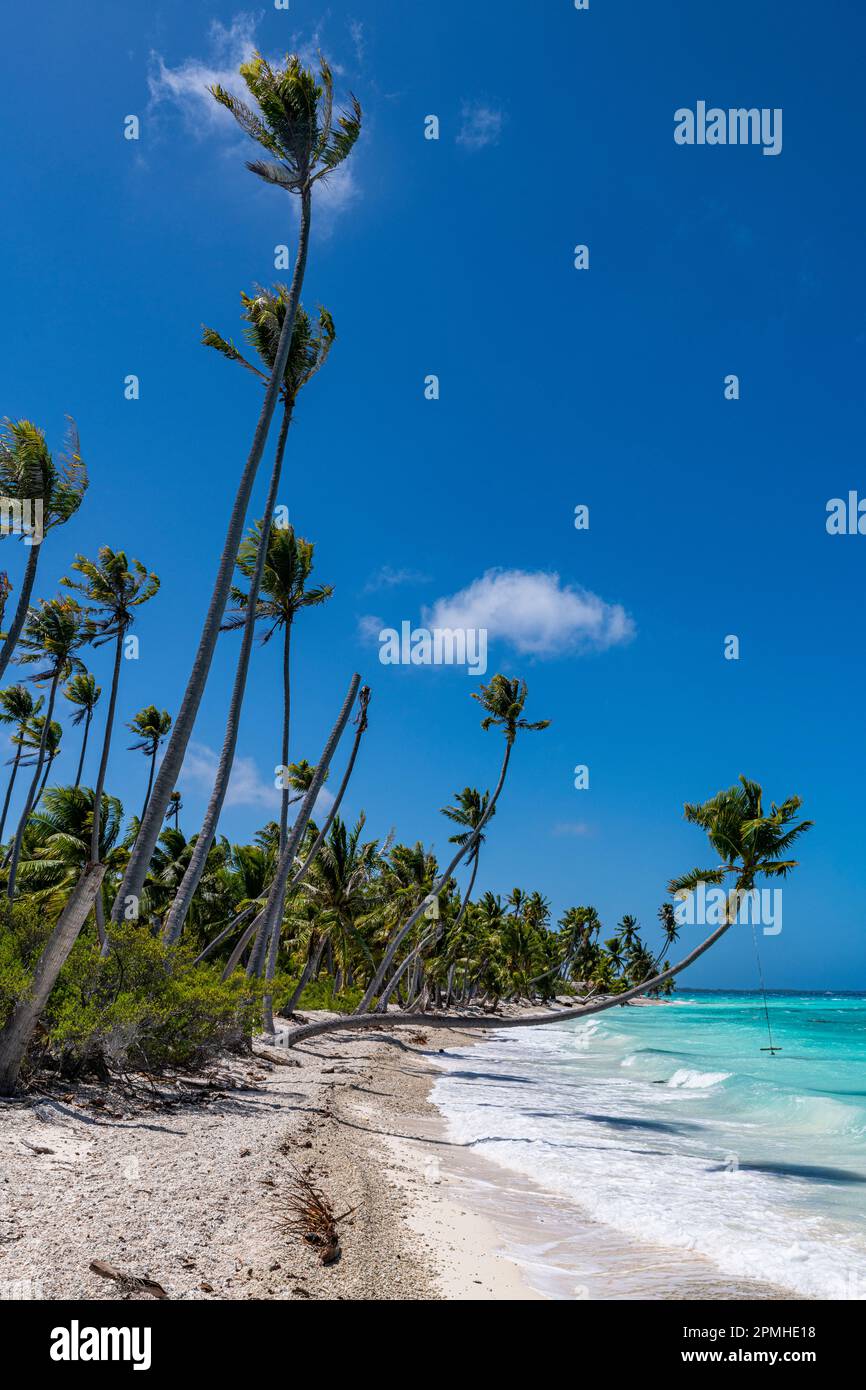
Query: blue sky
558, 387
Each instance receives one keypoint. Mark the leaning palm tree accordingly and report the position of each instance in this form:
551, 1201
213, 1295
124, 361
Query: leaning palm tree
29, 474
470, 812
17, 707
151, 726
57, 844
113, 587
83, 692
283, 594
52, 635
750, 844
503, 701
33, 739
309, 351
296, 126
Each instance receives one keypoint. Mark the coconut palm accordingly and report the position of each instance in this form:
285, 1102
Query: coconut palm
295, 124
57, 843
29, 474
174, 808
17, 707
469, 811
113, 587
308, 352
503, 701
151, 726
5, 591
83, 692
52, 635
32, 738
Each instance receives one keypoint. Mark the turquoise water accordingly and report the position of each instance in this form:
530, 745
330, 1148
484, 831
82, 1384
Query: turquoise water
671, 1125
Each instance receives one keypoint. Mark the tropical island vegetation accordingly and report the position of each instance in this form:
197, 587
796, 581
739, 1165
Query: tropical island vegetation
125, 943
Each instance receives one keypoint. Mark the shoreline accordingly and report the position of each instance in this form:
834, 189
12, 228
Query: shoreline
190, 1188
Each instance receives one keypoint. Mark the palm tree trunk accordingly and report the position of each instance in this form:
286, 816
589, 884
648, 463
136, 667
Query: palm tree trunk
106, 747
273, 912
14, 632
48, 763
396, 941
18, 1030
9, 790
183, 727
284, 751
195, 868
150, 779
313, 1030
87, 720
28, 805
311, 968
468, 894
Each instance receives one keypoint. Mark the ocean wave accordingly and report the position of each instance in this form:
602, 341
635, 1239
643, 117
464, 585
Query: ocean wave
697, 1080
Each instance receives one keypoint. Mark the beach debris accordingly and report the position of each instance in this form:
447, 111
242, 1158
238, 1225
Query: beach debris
130, 1283
420, 1039
37, 1148
311, 1216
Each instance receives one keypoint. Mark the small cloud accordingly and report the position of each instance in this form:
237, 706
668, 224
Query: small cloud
186, 86
356, 30
389, 578
534, 612
572, 827
246, 786
369, 627
482, 125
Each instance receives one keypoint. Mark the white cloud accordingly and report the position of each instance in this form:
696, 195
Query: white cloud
186, 86
369, 627
246, 786
535, 613
356, 29
571, 827
482, 125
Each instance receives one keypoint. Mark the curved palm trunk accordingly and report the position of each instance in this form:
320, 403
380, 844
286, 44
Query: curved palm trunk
309, 972
31, 795
171, 764
87, 720
393, 947
313, 1030
9, 789
284, 747
18, 1030
48, 763
220, 938
196, 866
468, 894
149, 780
273, 911
21, 611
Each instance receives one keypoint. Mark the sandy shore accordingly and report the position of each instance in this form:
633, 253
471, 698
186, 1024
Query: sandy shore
189, 1186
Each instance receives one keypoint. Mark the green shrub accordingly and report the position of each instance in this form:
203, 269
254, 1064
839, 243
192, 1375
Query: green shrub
23, 933
320, 995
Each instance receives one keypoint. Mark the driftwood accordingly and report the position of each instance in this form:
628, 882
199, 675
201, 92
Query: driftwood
130, 1283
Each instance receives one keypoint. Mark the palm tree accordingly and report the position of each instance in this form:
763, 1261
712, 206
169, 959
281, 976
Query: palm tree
151, 726
288, 565
295, 124
5, 591
57, 844
83, 691
113, 587
749, 844
53, 633
17, 707
309, 350
470, 811
28, 473
503, 701
174, 808
33, 738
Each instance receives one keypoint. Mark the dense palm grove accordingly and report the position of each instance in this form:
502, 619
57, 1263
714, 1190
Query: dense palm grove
126, 942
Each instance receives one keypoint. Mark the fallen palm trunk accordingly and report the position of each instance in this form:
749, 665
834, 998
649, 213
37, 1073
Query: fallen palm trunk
314, 1030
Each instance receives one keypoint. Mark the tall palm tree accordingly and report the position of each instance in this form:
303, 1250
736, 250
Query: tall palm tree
296, 126
503, 701
57, 844
309, 350
33, 739
83, 692
174, 808
151, 726
5, 591
17, 707
113, 587
52, 635
28, 473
